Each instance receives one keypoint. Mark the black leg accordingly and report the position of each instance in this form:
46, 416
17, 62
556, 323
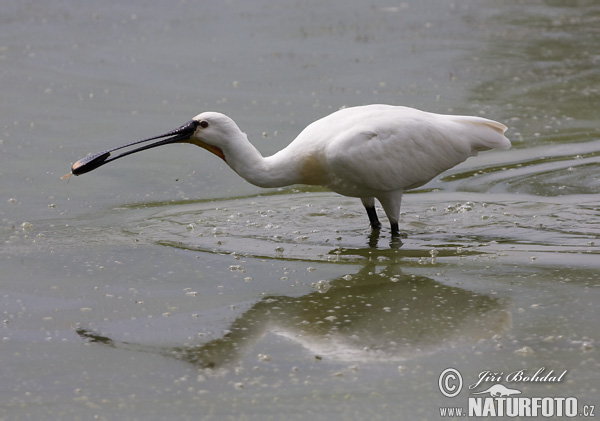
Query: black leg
372, 213
395, 229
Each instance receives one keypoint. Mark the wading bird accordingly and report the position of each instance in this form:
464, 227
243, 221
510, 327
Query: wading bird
369, 152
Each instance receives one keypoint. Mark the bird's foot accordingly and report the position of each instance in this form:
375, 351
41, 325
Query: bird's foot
396, 231
372, 213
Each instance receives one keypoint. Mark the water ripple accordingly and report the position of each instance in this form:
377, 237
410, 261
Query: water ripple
324, 226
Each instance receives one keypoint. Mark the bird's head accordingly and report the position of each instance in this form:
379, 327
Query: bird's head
214, 132
209, 130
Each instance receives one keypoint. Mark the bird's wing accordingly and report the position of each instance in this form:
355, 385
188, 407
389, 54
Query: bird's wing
393, 151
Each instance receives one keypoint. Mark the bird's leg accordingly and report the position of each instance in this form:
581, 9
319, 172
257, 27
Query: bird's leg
372, 213
369, 204
391, 205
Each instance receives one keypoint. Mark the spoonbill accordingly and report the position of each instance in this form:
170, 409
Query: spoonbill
369, 152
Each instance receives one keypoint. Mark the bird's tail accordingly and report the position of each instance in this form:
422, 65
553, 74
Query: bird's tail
484, 134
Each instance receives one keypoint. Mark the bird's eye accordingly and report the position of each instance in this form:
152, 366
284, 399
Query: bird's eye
204, 124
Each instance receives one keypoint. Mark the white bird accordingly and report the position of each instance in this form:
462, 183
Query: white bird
369, 152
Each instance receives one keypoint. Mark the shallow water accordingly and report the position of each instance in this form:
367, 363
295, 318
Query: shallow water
162, 285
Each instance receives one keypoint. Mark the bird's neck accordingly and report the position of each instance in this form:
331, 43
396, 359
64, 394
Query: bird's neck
272, 171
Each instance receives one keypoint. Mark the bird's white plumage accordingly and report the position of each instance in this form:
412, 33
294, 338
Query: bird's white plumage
390, 148
373, 151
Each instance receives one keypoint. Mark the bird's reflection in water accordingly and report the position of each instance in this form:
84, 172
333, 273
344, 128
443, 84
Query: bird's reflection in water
373, 315
395, 240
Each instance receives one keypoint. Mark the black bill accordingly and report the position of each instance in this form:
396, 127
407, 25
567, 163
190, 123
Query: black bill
91, 162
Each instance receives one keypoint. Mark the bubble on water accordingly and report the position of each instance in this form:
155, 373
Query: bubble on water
27, 225
551, 338
322, 286
526, 350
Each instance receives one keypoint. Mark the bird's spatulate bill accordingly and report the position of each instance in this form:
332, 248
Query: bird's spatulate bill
91, 162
